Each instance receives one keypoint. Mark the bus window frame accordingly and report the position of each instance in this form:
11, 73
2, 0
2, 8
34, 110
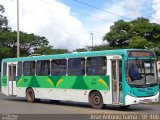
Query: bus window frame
96, 57
51, 66
21, 69
36, 71
139, 58
5, 69
30, 69
76, 58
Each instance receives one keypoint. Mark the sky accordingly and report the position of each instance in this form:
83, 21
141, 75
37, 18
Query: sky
68, 24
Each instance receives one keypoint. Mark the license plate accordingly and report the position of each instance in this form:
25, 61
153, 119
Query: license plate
146, 100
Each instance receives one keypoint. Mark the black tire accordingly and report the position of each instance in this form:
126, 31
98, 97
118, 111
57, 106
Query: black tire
37, 100
30, 96
125, 107
96, 100
55, 101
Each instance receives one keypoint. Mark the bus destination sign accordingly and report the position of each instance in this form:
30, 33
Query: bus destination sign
140, 54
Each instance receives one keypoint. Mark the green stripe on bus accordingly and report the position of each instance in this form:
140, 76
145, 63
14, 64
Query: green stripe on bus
4, 81
65, 82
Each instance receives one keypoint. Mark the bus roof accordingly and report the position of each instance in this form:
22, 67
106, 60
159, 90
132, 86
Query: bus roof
72, 55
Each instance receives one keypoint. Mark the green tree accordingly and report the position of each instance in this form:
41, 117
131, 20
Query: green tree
44, 50
98, 47
141, 43
81, 50
3, 20
28, 44
119, 34
48, 50
60, 51
139, 33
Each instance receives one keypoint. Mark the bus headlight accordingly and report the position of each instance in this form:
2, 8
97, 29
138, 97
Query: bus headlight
155, 93
131, 94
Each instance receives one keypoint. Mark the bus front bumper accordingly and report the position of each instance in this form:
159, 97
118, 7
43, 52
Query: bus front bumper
129, 100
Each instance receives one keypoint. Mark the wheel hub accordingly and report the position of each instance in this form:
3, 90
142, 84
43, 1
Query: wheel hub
97, 100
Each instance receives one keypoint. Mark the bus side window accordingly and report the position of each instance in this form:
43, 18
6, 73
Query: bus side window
29, 68
58, 67
4, 69
96, 66
76, 66
43, 67
20, 68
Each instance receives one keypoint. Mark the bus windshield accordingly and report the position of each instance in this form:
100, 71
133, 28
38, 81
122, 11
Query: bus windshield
141, 72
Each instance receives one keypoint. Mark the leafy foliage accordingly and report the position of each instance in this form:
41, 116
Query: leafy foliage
81, 50
29, 43
3, 20
139, 33
48, 50
118, 34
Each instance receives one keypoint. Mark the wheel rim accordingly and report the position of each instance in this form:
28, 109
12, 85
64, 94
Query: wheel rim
97, 100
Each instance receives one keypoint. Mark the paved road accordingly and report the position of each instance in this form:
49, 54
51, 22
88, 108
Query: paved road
20, 106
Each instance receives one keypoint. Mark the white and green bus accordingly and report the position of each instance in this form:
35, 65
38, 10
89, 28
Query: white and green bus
119, 77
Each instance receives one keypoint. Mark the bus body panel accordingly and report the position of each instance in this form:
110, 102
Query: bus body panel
130, 100
65, 87
77, 88
65, 82
77, 95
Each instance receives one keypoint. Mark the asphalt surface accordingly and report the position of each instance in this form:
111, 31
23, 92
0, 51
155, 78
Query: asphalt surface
14, 105
20, 106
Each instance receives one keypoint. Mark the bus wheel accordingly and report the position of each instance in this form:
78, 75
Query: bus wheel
30, 96
55, 101
96, 100
124, 106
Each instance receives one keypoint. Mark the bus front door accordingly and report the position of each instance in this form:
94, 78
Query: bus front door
116, 81
12, 79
